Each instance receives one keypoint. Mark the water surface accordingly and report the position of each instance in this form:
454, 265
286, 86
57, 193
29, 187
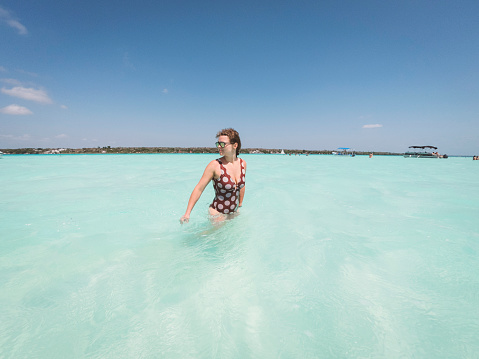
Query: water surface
330, 257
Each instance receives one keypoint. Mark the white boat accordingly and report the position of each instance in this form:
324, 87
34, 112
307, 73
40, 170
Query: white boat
282, 152
344, 151
423, 152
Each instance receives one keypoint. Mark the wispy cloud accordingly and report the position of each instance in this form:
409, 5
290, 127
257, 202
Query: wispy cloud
3, 69
62, 136
372, 126
165, 91
33, 74
28, 94
64, 107
8, 19
12, 82
15, 110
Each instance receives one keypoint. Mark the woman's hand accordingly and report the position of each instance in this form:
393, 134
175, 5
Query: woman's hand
185, 218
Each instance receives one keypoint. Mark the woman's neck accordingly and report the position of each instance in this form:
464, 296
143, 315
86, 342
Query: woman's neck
229, 159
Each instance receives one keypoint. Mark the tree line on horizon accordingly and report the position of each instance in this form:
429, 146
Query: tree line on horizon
170, 150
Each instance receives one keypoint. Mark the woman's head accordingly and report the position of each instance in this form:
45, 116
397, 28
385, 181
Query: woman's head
233, 137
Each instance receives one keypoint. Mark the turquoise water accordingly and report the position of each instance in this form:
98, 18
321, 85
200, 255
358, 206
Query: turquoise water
330, 257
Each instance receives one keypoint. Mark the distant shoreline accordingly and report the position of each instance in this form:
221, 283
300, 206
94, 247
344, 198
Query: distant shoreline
171, 150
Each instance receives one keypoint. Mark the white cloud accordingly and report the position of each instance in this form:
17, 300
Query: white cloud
13, 82
373, 126
7, 18
165, 91
62, 136
64, 107
33, 74
22, 30
15, 110
28, 94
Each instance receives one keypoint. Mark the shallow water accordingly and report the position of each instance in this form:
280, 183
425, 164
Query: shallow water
329, 257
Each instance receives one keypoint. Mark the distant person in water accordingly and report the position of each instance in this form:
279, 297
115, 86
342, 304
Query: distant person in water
228, 174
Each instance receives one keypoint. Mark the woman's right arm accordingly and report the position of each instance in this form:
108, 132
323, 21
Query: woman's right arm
208, 175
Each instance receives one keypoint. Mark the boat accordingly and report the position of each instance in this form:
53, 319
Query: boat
423, 152
282, 152
344, 151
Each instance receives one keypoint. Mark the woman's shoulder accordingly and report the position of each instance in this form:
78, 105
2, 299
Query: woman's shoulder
214, 163
214, 166
212, 170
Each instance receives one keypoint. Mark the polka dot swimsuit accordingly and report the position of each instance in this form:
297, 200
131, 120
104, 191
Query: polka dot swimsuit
227, 192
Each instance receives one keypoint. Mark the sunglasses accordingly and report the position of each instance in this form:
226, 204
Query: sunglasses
222, 144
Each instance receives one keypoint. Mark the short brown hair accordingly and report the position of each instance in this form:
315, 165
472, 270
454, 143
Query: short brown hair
233, 135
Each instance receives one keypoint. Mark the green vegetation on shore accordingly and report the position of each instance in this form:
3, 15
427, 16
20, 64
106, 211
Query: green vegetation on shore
125, 150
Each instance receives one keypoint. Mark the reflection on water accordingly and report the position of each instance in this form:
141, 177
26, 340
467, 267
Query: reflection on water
95, 264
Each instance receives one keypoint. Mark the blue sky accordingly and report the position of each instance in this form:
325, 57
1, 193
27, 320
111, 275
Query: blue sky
370, 75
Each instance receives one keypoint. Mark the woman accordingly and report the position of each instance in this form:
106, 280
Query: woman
228, 175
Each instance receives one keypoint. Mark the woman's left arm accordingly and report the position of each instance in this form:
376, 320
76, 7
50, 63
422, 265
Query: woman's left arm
242, 190
241, 196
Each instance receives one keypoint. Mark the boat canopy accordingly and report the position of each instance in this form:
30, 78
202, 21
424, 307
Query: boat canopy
423, 147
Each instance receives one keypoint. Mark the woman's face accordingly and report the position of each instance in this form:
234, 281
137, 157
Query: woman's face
229, 147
